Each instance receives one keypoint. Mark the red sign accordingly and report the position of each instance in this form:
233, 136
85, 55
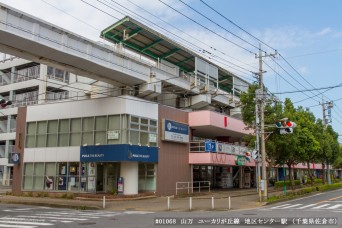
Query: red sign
225, 121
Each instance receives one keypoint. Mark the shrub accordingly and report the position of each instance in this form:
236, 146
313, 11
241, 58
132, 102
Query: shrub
318, 181
288, 183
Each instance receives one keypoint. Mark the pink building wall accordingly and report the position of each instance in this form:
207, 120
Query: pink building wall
204, 118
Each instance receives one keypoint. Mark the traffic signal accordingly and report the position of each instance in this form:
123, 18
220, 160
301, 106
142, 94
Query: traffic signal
286, 127
248, 156
4, 103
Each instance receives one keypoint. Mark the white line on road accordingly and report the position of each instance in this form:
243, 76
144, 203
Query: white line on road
65, 216
323, 205
51, 217
335, 206
310, 205
295, 205
284, 205
28, 223
16, 226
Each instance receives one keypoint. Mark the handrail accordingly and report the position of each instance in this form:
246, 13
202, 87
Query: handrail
191, 185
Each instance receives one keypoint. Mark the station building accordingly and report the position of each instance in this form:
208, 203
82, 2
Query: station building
152, 115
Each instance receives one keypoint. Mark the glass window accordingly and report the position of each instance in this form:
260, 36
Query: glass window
63, 139
88, 138
147, 177
31, 128
52, 126
28, 182
30, 141
153, 122
28, 170
134, 137
88, 124
61, 179
100, 123
144, 138
100, 137
39, 169
51, 140
41, 127
41, 140
144, 121
75, 139
153, 129
75, 135
76, 125
64, 126
134, 119
114, 122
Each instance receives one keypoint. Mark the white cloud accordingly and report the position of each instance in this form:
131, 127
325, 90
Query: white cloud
303, 70
324, 31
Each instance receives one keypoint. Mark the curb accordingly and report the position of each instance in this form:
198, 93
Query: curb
81, 207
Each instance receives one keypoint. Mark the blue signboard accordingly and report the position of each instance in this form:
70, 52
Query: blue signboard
174, 131
210, 146
120, 152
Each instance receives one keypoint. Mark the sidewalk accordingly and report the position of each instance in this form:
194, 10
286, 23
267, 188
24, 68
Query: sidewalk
239, 199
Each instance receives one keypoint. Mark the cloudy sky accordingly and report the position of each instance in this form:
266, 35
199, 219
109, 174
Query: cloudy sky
307, 34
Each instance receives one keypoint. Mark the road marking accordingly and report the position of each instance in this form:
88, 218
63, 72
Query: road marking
51, 217
337, 211
335, 206
284, 205
65, 216
138, 212
295, 205
320, 206
27, 223
16, 226
310, 205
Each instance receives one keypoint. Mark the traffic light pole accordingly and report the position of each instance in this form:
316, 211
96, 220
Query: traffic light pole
262, 126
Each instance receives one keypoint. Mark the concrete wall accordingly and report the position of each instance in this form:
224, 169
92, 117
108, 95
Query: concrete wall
173, 165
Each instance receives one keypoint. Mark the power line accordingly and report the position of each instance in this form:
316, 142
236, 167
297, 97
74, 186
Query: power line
314, 89
207, 28
237, 25
233, 34
193, 37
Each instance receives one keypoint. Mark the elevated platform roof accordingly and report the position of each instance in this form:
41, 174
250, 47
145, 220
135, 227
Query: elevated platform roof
151, 43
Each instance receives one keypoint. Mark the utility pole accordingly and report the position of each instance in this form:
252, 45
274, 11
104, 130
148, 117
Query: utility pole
262, 125
325, 123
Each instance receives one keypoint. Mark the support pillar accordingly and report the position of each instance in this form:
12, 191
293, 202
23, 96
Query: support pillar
130, 171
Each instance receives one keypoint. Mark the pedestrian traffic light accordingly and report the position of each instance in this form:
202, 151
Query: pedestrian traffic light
4, 103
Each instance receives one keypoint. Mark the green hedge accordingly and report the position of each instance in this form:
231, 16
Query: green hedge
329, 187
287, 183
317, 181
303, 191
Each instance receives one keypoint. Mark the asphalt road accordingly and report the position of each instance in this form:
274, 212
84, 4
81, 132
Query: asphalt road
317, 210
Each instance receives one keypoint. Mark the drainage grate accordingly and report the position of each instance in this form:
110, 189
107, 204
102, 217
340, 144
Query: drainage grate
249, 214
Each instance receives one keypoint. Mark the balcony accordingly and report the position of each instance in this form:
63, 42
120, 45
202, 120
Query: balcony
5, 79
4, 123
50, 96
57, 74
27, 74
20, 76
3, 150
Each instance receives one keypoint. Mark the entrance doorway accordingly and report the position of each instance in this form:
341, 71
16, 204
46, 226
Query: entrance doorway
106, 178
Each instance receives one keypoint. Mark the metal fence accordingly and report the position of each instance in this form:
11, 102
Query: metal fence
189, 187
